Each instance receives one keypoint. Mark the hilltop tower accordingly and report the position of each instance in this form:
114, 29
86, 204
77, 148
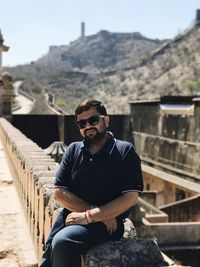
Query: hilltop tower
197, 20
82, 29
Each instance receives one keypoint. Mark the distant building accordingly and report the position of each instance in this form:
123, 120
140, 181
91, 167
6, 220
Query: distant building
197, 21
82, 29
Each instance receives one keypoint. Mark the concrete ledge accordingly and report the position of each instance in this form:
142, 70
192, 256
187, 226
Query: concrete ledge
173, 234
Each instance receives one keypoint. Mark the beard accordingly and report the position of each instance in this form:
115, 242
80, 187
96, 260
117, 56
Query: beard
94, 138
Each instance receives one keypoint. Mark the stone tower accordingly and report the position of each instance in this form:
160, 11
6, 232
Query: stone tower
197, 21
82, 29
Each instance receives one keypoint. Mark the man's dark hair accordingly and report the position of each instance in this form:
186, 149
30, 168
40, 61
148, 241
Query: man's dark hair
87, 104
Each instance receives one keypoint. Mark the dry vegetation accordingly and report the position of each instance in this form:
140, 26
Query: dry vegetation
116, 68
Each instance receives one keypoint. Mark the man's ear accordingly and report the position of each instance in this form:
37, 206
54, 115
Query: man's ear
106, 120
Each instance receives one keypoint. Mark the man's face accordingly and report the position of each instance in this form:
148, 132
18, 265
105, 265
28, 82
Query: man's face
92, 125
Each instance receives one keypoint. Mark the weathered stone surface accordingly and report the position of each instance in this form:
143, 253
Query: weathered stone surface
129, 251
141, 252
46, 192
129, 229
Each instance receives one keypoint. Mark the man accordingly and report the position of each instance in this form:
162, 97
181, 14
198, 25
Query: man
97, 183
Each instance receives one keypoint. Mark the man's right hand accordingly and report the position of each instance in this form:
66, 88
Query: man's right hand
111, 225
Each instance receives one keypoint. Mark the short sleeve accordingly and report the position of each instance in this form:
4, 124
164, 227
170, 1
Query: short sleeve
131, 172
64, 172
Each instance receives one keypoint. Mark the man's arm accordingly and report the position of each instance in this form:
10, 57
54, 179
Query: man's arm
69, 200
106, 212
115, 207
110, 210
78, 207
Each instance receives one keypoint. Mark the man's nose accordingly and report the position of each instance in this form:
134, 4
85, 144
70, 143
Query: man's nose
87, 124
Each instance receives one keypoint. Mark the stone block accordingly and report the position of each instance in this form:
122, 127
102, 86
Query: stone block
129, 251
137, 252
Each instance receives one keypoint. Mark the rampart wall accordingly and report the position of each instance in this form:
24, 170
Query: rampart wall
35, 171
168, 139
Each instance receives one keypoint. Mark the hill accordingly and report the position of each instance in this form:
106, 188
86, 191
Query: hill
116, 68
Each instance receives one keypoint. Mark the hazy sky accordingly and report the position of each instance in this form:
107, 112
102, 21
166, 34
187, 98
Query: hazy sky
29, 27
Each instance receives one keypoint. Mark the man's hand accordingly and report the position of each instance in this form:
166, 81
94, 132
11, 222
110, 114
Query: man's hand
111, 225
76, 218
80, 218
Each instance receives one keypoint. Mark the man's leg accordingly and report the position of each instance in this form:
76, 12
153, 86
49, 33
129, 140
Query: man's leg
58, 225
72, 241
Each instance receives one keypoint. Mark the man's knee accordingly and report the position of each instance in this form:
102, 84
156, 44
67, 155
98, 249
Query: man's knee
70, 238
59, 242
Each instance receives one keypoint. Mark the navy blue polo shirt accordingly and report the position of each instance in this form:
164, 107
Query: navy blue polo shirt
101, 177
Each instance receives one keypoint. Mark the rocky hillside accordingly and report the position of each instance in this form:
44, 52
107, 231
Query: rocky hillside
116, 68
104, 50
108, 50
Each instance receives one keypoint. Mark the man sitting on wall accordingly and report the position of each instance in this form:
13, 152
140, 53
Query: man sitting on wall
97, 183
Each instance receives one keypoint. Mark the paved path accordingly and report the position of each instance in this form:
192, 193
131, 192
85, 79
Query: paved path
25, 102
26, 105
16, 248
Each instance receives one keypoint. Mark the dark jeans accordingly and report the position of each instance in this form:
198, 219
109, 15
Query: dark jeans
66, 244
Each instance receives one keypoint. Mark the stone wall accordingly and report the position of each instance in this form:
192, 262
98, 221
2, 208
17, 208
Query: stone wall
174, 234
175, 219
168, 188
186, 210
35, 171
168, 140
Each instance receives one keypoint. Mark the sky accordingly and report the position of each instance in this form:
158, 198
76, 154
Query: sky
29, 27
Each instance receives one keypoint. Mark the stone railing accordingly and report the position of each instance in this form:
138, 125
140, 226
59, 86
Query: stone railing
35, 171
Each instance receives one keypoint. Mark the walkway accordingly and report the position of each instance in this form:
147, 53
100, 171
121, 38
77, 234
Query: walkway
26, 105
16, 248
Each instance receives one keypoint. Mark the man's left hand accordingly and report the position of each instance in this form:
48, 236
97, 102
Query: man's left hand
76, 218
111, 225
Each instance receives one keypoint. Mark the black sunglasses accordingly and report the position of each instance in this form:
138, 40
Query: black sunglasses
94, 120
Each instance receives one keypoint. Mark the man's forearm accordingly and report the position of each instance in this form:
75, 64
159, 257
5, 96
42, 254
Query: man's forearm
69, 200
106, 212
115, 207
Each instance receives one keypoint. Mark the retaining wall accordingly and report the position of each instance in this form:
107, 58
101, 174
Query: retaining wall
165, 139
